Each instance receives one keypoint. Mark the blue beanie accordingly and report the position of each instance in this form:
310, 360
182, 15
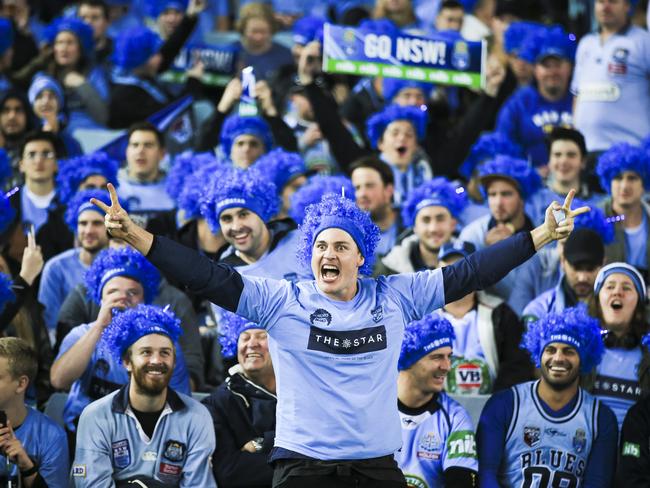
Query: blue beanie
73, 172
438, 191
307, 29
6, 293
623, 268
281, 167
156, 7
134, 47
83, 32
573, 326
517, 171
196, 186
623, 157
376, 125
129, 326
42, 82
235, 126
6, 35
313, 192
422, 336
231, 326
126, 261
183, 166
239, 188
335, 211
7, 213
5, 167
517, 33
392, 87
549, 41
595, 220
488, 146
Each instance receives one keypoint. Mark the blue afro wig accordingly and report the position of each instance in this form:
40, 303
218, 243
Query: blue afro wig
549, 41
488, 146
83, 32
422, 336
313, 192
573, 326
73, 172
129, 326
183, 166
281, 167
518, 171
595, 220
5, 167
438, 191
517, 33
376, 125
239, 188
134, 47
7, 213
645, 145
156, 7
81, 202
335, 211
235, 126
194, 189
392, 86
6, 35
307, 29
126, 261
6, 293
231, 326
623, 157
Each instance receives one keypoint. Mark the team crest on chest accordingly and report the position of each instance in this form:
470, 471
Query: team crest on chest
580, 440
532, 436
320, 318
377, 313
429, 446
174, 451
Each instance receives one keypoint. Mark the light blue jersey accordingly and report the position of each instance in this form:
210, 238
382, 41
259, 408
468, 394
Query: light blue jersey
34, 212
347, 351
534, 277
111, 444
145, 198
104, 375
439, 438
544, 451
636, 241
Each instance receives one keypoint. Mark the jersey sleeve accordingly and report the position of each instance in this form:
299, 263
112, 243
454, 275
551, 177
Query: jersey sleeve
634, 463
491, 436
70, 340
420, 293
55, 463
460, 446
599, 472
197, 470
263, 300
93, 465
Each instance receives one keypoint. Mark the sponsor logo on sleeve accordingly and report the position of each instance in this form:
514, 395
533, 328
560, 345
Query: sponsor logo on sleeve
631, 449
461, 444
347, 342
79, 471
121, 454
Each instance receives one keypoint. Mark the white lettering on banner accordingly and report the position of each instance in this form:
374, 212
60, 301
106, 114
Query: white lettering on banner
375, 46
421, 50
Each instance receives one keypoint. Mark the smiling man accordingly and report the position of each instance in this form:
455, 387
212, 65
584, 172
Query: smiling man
337, 418
551, 430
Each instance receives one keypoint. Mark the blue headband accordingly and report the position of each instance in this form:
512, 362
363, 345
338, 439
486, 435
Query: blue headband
336, 222
422, 336
250, 203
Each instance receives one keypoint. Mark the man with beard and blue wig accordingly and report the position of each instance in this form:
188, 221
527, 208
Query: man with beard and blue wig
438, 446
335, 340
551, 432
146, 433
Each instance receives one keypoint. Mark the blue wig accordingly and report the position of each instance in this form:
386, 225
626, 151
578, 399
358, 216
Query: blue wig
518, 171
6, 293
5, 167
235, 126
573, 326
129, 326
307, 29
281, 167
231, 326
126, 261
239, 188
313, 192
335, 211
392, 86
549, 41
183, 166
595, 220
517, 33
83, 32
438, 191
623, 157
488, 146
73, 172
6, 35
156, 7
134, 47
376, 125
7, 213
196, 185
422, 336
81, 202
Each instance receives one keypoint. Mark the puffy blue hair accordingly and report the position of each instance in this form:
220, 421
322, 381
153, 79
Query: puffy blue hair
549, 41
572, 326
595, 220
332, 205
78, 27
5, 167
235, 126
183, 166
81, 202
438, 191
189, 200
231, 326
248, 185
7, 213
313, 192
518, 171
422, 336
6, 293
517, 33
6, 35
156, 7
307, 29
281, 167
488, 146
121, 262
134, 47
129, 326
376, 125
623, 157
392, 86
72, 172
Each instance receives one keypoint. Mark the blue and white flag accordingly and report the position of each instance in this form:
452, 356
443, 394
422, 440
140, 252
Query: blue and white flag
220, 64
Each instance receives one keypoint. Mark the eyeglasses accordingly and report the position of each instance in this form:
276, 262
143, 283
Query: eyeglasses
32, 155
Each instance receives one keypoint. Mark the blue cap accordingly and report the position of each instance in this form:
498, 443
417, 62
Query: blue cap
626, 269
549, 42
307, 29
42, 82
456, 248
421, 337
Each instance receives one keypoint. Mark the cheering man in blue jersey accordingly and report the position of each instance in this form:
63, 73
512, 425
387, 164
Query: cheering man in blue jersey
335, 341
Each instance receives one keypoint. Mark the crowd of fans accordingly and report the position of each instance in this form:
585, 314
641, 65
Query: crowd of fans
246, 170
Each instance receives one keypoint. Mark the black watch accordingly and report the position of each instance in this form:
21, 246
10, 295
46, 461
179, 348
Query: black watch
29, 472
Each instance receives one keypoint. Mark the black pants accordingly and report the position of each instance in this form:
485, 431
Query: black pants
381, 472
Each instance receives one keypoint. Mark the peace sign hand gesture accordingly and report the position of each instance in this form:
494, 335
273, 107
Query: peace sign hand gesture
32, 263
558, 222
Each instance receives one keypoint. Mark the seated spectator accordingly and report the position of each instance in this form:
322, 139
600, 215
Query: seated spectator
33, 448
245, 139
487, 355
92, 171
96, 13
287, 171
619, 303
450, 16
16, 120
243, 407
119, 280
400, 12
168, 15
515, 37
428, 415
146, 432
432, 212
624, 172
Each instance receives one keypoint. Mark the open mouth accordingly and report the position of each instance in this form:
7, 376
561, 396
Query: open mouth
401, 150
329, 272
616, 305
